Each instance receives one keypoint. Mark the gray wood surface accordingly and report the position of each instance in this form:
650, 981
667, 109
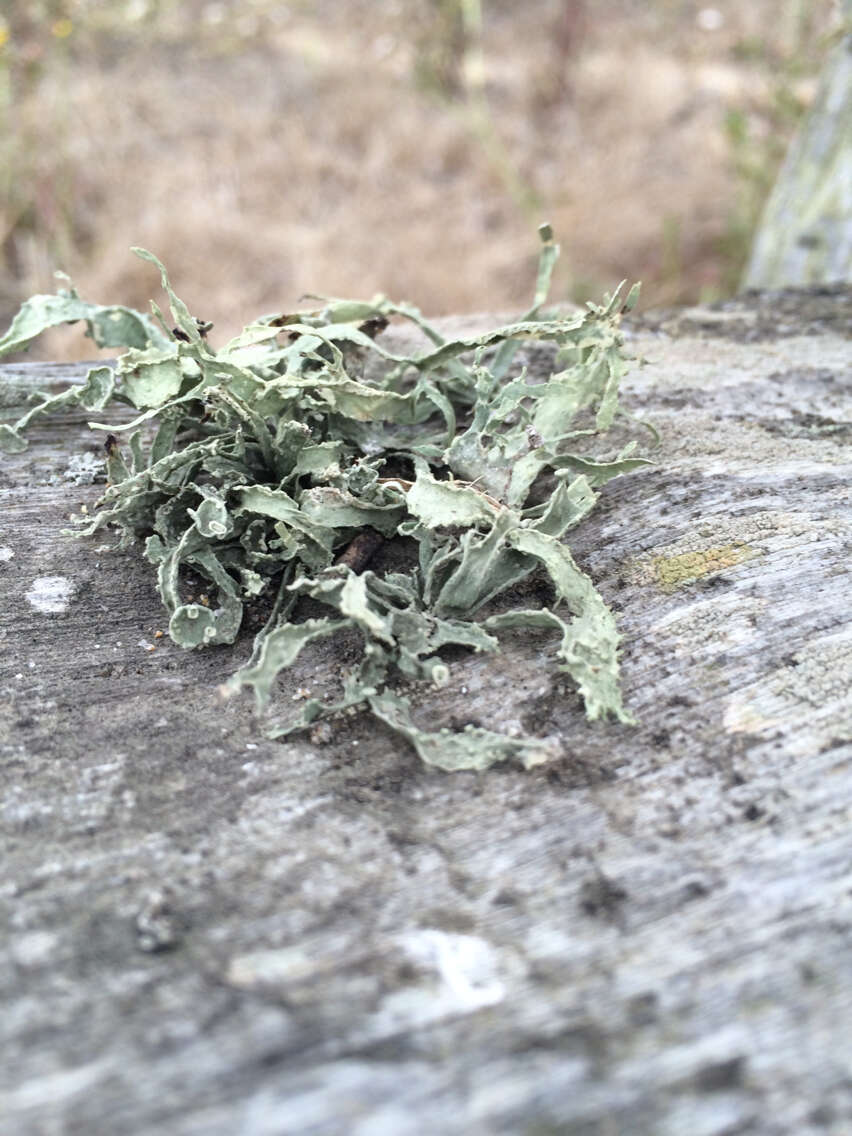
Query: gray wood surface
206, 933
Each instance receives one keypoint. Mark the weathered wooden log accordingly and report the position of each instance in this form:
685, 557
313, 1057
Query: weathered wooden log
209, 932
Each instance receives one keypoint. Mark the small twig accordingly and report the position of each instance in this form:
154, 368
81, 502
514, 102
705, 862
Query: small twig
360, 550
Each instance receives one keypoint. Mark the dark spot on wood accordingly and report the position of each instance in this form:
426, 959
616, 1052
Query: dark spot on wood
505, 897
680, 700
601, 896
643, 1009
721, 1075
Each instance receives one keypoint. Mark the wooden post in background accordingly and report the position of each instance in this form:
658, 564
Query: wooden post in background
805, 236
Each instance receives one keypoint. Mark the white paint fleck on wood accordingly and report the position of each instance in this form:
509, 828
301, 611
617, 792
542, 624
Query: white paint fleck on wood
50, 594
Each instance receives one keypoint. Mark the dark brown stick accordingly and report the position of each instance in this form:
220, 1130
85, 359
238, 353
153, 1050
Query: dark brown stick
360, 550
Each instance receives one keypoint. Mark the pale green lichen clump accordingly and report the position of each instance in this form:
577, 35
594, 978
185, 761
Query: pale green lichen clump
274, 455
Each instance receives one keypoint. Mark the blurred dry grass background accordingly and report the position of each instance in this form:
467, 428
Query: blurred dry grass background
266, 149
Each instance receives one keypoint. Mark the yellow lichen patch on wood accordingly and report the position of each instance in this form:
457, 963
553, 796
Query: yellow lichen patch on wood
671, 572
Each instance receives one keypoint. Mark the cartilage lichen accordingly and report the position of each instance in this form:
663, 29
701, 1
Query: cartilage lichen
274, 467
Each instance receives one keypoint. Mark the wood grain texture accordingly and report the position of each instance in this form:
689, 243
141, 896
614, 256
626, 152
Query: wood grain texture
209, 933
